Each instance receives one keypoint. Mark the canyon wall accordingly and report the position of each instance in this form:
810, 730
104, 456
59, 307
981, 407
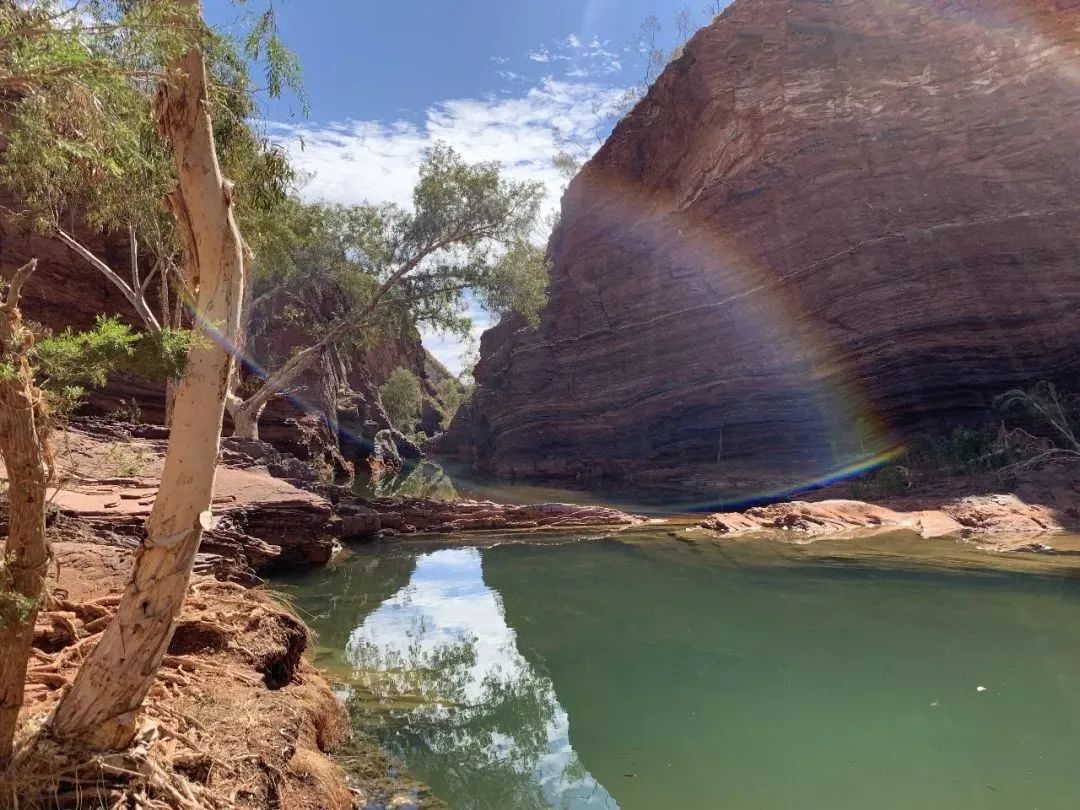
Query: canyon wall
829, 223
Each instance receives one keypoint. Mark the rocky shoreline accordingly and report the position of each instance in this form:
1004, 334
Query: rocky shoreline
1039, 513
269, 511
271, 514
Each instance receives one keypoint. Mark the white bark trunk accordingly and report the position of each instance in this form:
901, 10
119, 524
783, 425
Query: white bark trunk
23, 436
246, 421
172, 387
101, 707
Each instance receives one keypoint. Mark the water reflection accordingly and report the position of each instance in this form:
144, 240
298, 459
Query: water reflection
424, 480
467, 712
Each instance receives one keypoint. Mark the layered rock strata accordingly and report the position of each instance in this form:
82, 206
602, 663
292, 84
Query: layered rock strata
829, 224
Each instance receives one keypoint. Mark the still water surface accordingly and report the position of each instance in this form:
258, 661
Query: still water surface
640, 673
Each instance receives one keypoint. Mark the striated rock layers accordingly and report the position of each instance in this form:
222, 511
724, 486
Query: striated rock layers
828, 223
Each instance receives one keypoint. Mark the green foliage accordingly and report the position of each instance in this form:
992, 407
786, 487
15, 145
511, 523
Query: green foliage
65, 363
15, 608
161, 354
518, 283
125, 460
402, 398
1047, 431
127, 410
451, 394
467, 232
85, 139
883, 483
963, 451
84, 358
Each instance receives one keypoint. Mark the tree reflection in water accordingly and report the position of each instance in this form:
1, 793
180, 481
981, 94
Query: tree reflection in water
441, 684
425, 480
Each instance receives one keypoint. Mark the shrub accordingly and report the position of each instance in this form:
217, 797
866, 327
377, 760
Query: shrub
402, 398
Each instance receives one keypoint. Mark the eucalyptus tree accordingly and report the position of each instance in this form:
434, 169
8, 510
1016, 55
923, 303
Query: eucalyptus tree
467, 233
38, 378
83, 150
160, 44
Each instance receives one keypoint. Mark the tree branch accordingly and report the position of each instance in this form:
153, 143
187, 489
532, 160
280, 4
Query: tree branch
14, 290
131, 295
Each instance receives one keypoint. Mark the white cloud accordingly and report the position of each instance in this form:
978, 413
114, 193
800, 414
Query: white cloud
540, 55
352, 161
573, 42
377, 161
500, 60
451, 350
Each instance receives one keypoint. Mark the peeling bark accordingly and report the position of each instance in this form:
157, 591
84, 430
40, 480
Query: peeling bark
24, 430
102, 705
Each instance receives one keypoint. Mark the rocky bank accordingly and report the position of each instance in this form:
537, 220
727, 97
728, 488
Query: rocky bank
826, 226
1037, 511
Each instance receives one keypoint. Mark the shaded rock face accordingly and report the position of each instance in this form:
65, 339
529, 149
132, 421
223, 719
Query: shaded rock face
339, 395
828, 224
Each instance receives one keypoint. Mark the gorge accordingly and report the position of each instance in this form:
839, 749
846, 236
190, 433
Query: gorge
735, 513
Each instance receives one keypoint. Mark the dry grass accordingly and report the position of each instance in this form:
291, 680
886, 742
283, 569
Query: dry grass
236, 719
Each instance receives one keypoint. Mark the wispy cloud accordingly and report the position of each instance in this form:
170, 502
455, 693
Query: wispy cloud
540, 55
355, 160
377, 161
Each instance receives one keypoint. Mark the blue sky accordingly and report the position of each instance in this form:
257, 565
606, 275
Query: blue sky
492, 77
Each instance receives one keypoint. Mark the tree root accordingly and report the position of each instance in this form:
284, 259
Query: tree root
48, 774
158, 770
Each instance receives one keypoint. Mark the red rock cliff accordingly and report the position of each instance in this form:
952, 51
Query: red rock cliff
828, 223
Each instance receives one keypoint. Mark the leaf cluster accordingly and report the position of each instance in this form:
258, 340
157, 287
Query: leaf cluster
66, 363
402, 397
467, 232
83, 138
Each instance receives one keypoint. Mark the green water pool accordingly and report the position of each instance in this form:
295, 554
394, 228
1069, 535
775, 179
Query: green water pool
634, 672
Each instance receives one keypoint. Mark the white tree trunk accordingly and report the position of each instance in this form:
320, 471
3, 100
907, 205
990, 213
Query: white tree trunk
23, 436
172, 387
100, 709
246, 420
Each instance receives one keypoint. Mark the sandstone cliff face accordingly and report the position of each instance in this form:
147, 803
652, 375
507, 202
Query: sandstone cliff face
829, 222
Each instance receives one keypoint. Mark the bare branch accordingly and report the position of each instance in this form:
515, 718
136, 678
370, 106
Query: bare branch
14, 290
132, 295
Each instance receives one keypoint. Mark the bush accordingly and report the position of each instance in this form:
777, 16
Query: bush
886, 482
964, 451
402, 398
451, 394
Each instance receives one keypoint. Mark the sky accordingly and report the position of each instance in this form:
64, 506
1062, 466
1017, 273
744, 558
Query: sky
493, 78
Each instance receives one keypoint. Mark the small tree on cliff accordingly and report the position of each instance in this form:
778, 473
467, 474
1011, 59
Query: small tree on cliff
402, 397
468, 231
452, 394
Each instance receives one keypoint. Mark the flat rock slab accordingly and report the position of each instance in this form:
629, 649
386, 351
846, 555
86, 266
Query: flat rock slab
408, 515
997, 522
814, 519
259, 521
